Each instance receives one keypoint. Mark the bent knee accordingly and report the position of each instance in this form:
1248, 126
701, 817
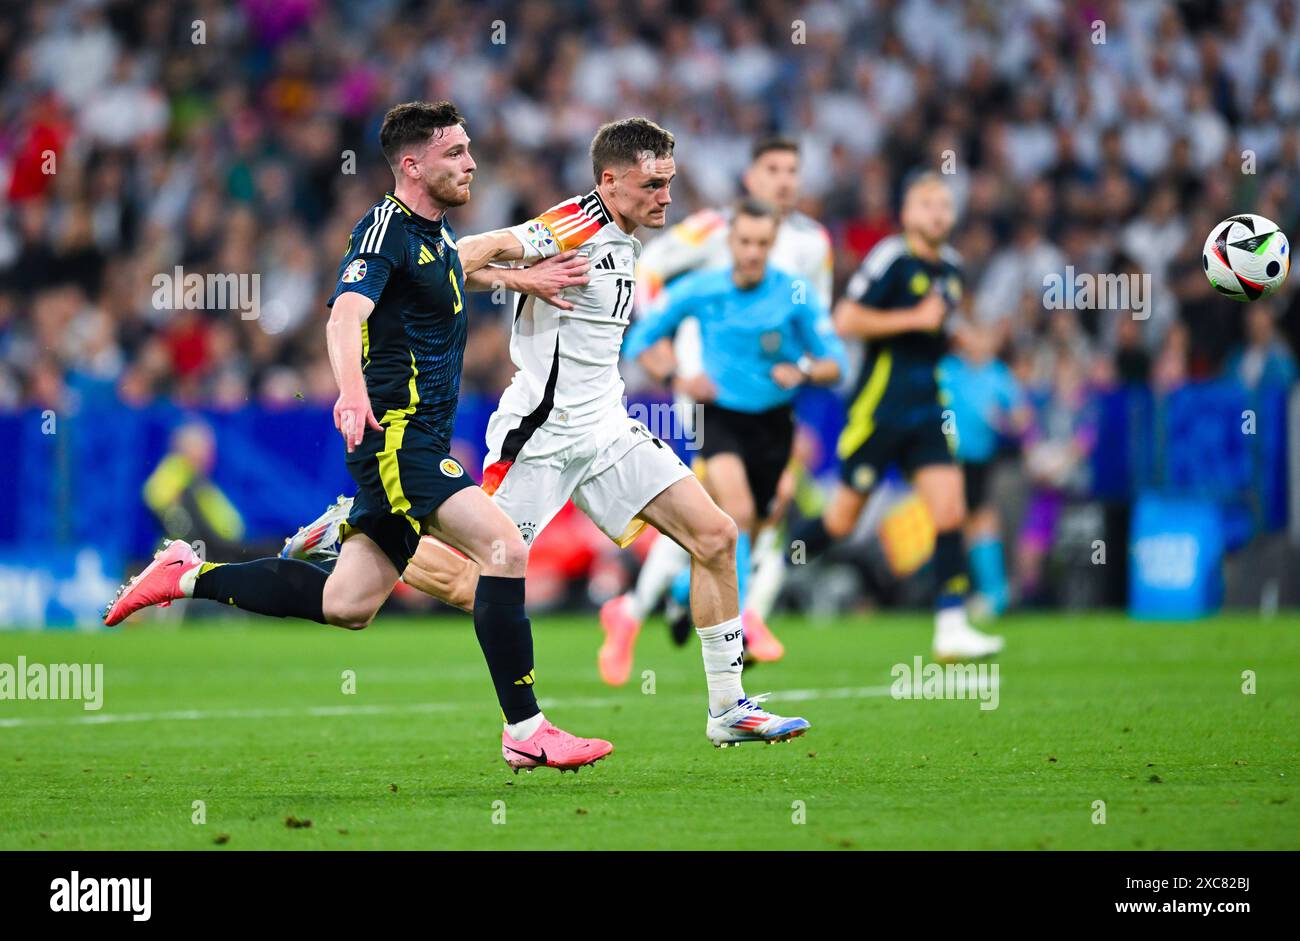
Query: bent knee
349, 614
715, 540
743, 514
513, 552
507, 555
355, 619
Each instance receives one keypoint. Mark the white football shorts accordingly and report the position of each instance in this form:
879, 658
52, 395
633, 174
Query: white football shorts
610, 471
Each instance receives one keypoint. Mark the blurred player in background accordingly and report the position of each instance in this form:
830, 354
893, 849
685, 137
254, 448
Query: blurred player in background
185, 501
763, 337
700, 242
396, 339
988, 407
899, 303
562, 430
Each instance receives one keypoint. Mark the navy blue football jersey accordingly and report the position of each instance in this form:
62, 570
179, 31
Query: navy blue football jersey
892, 278
413, 343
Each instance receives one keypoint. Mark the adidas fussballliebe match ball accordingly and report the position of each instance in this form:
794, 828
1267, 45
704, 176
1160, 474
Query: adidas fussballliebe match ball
1246, 257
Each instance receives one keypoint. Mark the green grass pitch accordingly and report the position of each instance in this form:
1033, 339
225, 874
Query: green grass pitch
251, 719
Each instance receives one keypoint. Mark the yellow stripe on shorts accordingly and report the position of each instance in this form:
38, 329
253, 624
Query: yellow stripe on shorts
389, 473
862, 413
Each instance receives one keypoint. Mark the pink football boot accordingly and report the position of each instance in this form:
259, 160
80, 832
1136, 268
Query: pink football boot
550, 747
621, 628
159, 584
760, 642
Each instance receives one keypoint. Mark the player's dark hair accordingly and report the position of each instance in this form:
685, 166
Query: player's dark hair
414, 122
768, 144
755, 208
625, 142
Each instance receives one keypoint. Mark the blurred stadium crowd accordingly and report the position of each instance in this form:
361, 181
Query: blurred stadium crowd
242, 137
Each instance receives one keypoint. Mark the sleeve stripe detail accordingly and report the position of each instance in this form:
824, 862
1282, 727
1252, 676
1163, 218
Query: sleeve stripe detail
374, 236
366, 235
879, 259
570, 225
383, 230
565, 225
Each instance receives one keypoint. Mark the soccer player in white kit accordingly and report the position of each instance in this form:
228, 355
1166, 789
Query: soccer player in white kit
802, 249
562, 430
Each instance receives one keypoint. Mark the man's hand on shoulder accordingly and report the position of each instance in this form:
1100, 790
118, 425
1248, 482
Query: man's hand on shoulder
548, 278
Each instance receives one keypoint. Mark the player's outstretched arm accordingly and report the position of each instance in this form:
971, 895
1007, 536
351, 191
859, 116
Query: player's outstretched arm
858, 322
352, 413
546, 279
535, 239
479, 251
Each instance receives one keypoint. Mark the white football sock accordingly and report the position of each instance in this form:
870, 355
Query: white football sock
950, 621
521, 731
662, 564
769, 574
724, 657
186, 581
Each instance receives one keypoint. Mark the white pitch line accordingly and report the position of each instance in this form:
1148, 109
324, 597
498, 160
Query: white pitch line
196, 715
193, 715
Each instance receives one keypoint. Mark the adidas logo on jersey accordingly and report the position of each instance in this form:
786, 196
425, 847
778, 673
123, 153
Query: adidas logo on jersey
426, 256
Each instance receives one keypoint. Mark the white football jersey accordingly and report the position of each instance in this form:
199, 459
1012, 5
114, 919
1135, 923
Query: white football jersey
567, 360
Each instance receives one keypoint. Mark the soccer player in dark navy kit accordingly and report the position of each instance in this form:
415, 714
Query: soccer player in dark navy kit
899, 303
396, 337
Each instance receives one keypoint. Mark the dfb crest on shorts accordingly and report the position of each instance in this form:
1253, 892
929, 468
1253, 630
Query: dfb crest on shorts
528, 531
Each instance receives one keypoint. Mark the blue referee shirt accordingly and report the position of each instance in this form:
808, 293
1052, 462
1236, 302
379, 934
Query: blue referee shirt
744, 332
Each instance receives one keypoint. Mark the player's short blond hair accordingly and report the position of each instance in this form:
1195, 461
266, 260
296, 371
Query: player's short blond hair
924, 179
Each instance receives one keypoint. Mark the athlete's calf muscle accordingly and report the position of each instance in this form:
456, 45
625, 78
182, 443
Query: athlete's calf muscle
441, 572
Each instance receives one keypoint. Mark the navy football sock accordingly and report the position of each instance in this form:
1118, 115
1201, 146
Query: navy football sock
950, 569
506, 637
281, 588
